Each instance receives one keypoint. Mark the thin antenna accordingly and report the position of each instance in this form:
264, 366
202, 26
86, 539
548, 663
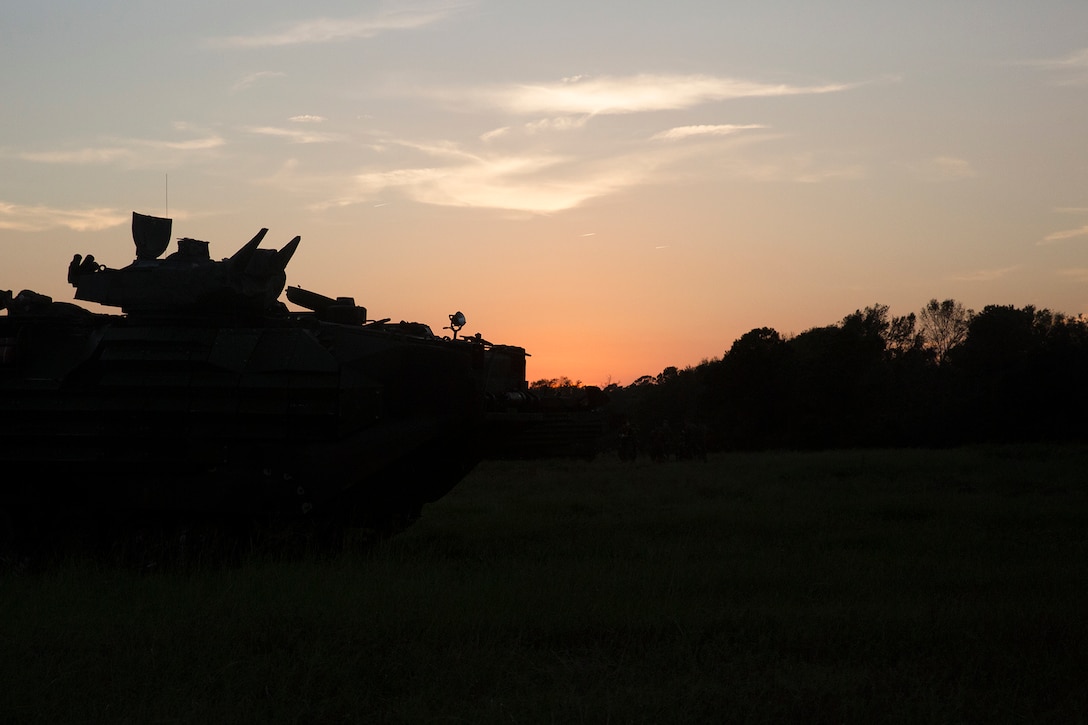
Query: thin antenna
167, 175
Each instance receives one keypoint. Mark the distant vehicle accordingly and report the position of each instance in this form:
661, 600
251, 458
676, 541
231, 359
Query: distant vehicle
208, 400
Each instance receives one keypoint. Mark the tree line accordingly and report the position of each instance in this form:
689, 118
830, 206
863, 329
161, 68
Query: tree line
944, 376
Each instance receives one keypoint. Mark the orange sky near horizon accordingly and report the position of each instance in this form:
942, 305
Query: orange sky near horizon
678, 175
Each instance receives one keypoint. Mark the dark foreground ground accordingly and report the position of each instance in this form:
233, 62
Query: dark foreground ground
883, 586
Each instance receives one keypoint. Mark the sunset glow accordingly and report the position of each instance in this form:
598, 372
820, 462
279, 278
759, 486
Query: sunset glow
617, 193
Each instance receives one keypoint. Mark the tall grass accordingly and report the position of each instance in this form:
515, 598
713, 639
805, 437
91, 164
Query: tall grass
895, 586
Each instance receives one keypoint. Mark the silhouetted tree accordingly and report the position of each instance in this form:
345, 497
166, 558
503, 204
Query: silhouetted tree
944, 377
555, 383
751, 389
818, 392
943, 325
902, 336
1008, 383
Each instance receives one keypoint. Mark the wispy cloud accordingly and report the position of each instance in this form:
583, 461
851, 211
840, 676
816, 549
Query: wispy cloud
16, 217
558, 124
254, 78
984, 275
537, 184
1078, 274
129, 152
295, 135
949, 167
79, 157
943, 168
1063, 235
683, 132
544, 180
505, 168
552, 160
335, 30
495, 133
1069, 70
526, 182
630, 94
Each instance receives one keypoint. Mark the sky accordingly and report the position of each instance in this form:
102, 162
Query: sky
618, 187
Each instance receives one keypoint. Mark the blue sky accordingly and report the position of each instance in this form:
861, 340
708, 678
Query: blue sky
618, 187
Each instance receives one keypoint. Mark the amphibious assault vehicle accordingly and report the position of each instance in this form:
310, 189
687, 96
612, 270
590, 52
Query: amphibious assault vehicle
208, 400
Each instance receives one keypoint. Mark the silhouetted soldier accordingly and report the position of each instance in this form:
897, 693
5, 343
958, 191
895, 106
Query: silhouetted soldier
80, 266
89, 265
73, 268
29, 302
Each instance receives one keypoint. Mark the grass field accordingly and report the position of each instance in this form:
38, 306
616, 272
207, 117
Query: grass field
881, 586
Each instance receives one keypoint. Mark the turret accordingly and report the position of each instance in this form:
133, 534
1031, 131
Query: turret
187, 281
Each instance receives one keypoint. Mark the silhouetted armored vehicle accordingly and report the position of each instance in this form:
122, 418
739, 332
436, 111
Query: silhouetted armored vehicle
209, 400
